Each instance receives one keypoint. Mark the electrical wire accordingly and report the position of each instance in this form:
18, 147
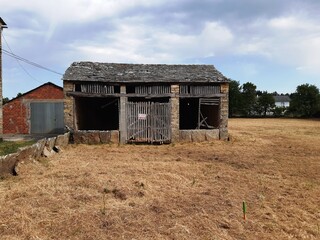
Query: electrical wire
25, 70
18, 58
28, 61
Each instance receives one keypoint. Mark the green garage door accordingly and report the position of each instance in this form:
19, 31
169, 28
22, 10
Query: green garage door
46, 117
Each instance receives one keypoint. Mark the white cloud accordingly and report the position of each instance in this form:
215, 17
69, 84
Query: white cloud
54, 13
135, 41
292, 40
63, 11
297, 42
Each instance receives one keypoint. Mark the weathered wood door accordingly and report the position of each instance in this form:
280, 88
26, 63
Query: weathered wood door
148, 122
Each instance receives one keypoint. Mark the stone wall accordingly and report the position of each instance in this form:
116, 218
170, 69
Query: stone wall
68, 104
224, 112
44, 147
175, 113
95, 137
199, 135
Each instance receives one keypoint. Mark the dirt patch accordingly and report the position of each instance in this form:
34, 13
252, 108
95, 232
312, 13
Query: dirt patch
177, 191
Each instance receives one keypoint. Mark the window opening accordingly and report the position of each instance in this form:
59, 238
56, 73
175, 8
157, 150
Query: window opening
149, 89
208, 114
199, 90
199, 113
98, 88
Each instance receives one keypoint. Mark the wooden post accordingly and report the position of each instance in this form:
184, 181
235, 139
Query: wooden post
122, 116
224, 111
175, 113
2, 26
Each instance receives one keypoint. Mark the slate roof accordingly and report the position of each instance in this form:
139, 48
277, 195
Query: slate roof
126, 73
282, 98
2, 23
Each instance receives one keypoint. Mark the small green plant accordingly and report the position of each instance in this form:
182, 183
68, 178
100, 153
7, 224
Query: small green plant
193, 181
104, 193
8, 147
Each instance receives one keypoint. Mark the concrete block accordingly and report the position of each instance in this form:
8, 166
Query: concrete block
51, 143
67, 138
27, 153
105, 136
115, 136
198, 135
93, 137
185, 136
40, 146
62, 140
212, 135
80, 137
224, 134
7, 164
47, 152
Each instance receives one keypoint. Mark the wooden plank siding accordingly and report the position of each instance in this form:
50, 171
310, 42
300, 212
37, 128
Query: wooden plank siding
97, 88
148, 122
199, 90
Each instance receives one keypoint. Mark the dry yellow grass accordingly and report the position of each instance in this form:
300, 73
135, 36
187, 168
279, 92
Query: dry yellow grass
178, 191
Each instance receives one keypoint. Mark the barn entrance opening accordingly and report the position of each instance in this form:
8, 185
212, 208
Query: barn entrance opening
188, 113
199, 113
93, 113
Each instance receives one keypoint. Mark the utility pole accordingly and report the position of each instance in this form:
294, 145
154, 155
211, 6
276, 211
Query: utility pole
2, 26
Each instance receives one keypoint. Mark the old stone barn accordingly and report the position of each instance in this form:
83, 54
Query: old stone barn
151, 103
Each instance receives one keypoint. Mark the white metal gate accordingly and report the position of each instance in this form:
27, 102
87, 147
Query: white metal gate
148, 122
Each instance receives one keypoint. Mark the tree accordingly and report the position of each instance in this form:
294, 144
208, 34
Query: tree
234, 97
5, 100
248, 98
305, 101
265, 103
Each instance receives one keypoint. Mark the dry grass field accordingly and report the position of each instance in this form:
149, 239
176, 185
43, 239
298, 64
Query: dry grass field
176, 191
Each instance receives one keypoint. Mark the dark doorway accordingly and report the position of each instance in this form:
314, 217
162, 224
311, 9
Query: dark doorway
188, 113
199, 113
97, 113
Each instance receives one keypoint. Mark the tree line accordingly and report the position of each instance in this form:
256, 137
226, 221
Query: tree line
246, 101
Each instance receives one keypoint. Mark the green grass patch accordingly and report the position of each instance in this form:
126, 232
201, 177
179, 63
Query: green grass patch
7, 147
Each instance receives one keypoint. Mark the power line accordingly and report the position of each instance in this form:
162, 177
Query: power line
28, 61
25, 70
11, 54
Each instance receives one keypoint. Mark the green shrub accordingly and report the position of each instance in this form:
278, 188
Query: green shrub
7, 147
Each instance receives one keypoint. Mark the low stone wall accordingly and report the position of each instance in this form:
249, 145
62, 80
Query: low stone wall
44, 147
200, 135
96, 137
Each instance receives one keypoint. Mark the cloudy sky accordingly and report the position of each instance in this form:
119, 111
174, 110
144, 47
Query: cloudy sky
274, 44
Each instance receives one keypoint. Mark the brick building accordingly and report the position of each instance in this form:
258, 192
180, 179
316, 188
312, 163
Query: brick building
35, 112
154, 103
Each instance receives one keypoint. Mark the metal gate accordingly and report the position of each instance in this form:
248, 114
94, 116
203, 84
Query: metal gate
46, 117
148, 122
